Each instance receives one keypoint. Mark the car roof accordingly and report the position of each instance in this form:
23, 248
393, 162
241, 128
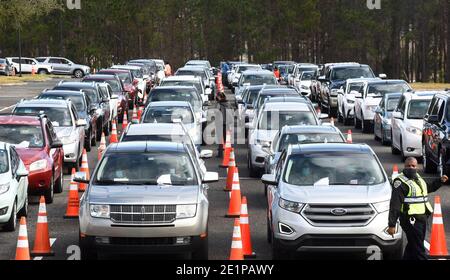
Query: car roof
340, 148
420, 95
46, 103
287, 106
257, 72
20, 120
169, 104
362, 80
393, 95
182, 78
384, 82
110, 70
175, 87
310, 129
129, 67
143, 147
82, 85
279, 90
155, 129
101, 77
62, 92
192, 68
348, 65
281, 99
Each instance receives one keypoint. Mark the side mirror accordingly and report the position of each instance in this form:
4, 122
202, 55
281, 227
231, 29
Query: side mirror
399, 115
56, 145
340, 91
206, 154
382, 76
22, 172
269, 179
211, 177
81, 123
80, 177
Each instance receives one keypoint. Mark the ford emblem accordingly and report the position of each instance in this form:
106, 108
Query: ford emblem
339, 212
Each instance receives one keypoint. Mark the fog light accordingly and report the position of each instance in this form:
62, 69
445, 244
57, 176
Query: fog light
260, 159
102, 240
410, 150
3, 211
183, 240
285, 229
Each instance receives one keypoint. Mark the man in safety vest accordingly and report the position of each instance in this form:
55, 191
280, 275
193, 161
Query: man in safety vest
410, 203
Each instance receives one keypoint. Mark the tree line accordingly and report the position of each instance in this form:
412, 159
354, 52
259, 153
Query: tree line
406, 39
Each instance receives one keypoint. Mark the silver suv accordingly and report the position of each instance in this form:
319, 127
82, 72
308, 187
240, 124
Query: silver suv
145, 198
330, 198
63, 66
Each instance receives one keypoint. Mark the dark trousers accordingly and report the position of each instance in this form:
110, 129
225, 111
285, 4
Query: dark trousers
415, 250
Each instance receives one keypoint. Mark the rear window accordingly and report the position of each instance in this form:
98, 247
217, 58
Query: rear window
58, 116
342, 74
23, 136
309, 138
77, 100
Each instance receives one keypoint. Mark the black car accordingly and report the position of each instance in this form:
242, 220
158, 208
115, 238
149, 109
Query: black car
84, 109
98, 103
335, 76
436, 133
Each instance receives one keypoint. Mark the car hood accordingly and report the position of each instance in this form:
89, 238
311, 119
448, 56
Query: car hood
415, 123
372, 101
305, 83
63, 131
28, 156
337, 194
148, 195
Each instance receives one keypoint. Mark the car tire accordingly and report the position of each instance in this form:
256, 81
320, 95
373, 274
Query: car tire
107, 129
50, 192
42, 72
59, 186
87, 252
202, 253
394, 150
358, 124
402, 152
428, 166
252, 171
24, 211
375, 136
78, 74
384, 141
99, 130
11, 225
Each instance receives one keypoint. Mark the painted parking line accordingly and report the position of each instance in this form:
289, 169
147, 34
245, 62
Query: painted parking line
7, 108
52, 241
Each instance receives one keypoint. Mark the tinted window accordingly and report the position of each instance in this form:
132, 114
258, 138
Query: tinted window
351, 73
146, 169
418, 109
169, 95
152, 138
333, 169
276, 120
197, 85
258, 80
382, 89
192, 73
4, 163
309, 138
24, 136
59, 116
77, 100
41, 60
168, 115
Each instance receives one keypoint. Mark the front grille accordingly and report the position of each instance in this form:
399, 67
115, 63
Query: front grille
142, 241
356, 215
143, 214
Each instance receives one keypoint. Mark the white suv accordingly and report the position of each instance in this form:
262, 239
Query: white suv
13, 187
347, 98
30, 64
373, 92
407, 123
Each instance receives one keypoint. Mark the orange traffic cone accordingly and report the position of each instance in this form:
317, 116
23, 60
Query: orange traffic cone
73, 204
349, 137
102, 147
42, 245
236, 244
23, 250
245, 231
140, 111
33, 71
85, 169
113, 138
395, 172
72, 177
125, 122
438, 246
234, 209
227, 151
134, 120
231, 171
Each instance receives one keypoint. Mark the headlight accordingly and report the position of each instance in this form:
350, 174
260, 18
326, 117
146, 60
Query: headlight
382, 207
291, 206
186, 211
263, 143
100, 211
414, 130
4, 188
38, 165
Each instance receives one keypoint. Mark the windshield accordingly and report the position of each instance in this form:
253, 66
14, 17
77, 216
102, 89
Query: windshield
252, 95
137, 73
23, 136
115, 85
352, 73
91, 95
77, 100
263, 98
302, 70
309, 138
355, 87
145, 169
382, 89
258, 80
242, 69
418, 109
163, 95
168, 115
275, 120
333, 169
4, 164
198, 86
58, 116
307, 76
192, 73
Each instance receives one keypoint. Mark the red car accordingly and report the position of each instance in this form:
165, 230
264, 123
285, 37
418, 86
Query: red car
40, 150
129, 83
